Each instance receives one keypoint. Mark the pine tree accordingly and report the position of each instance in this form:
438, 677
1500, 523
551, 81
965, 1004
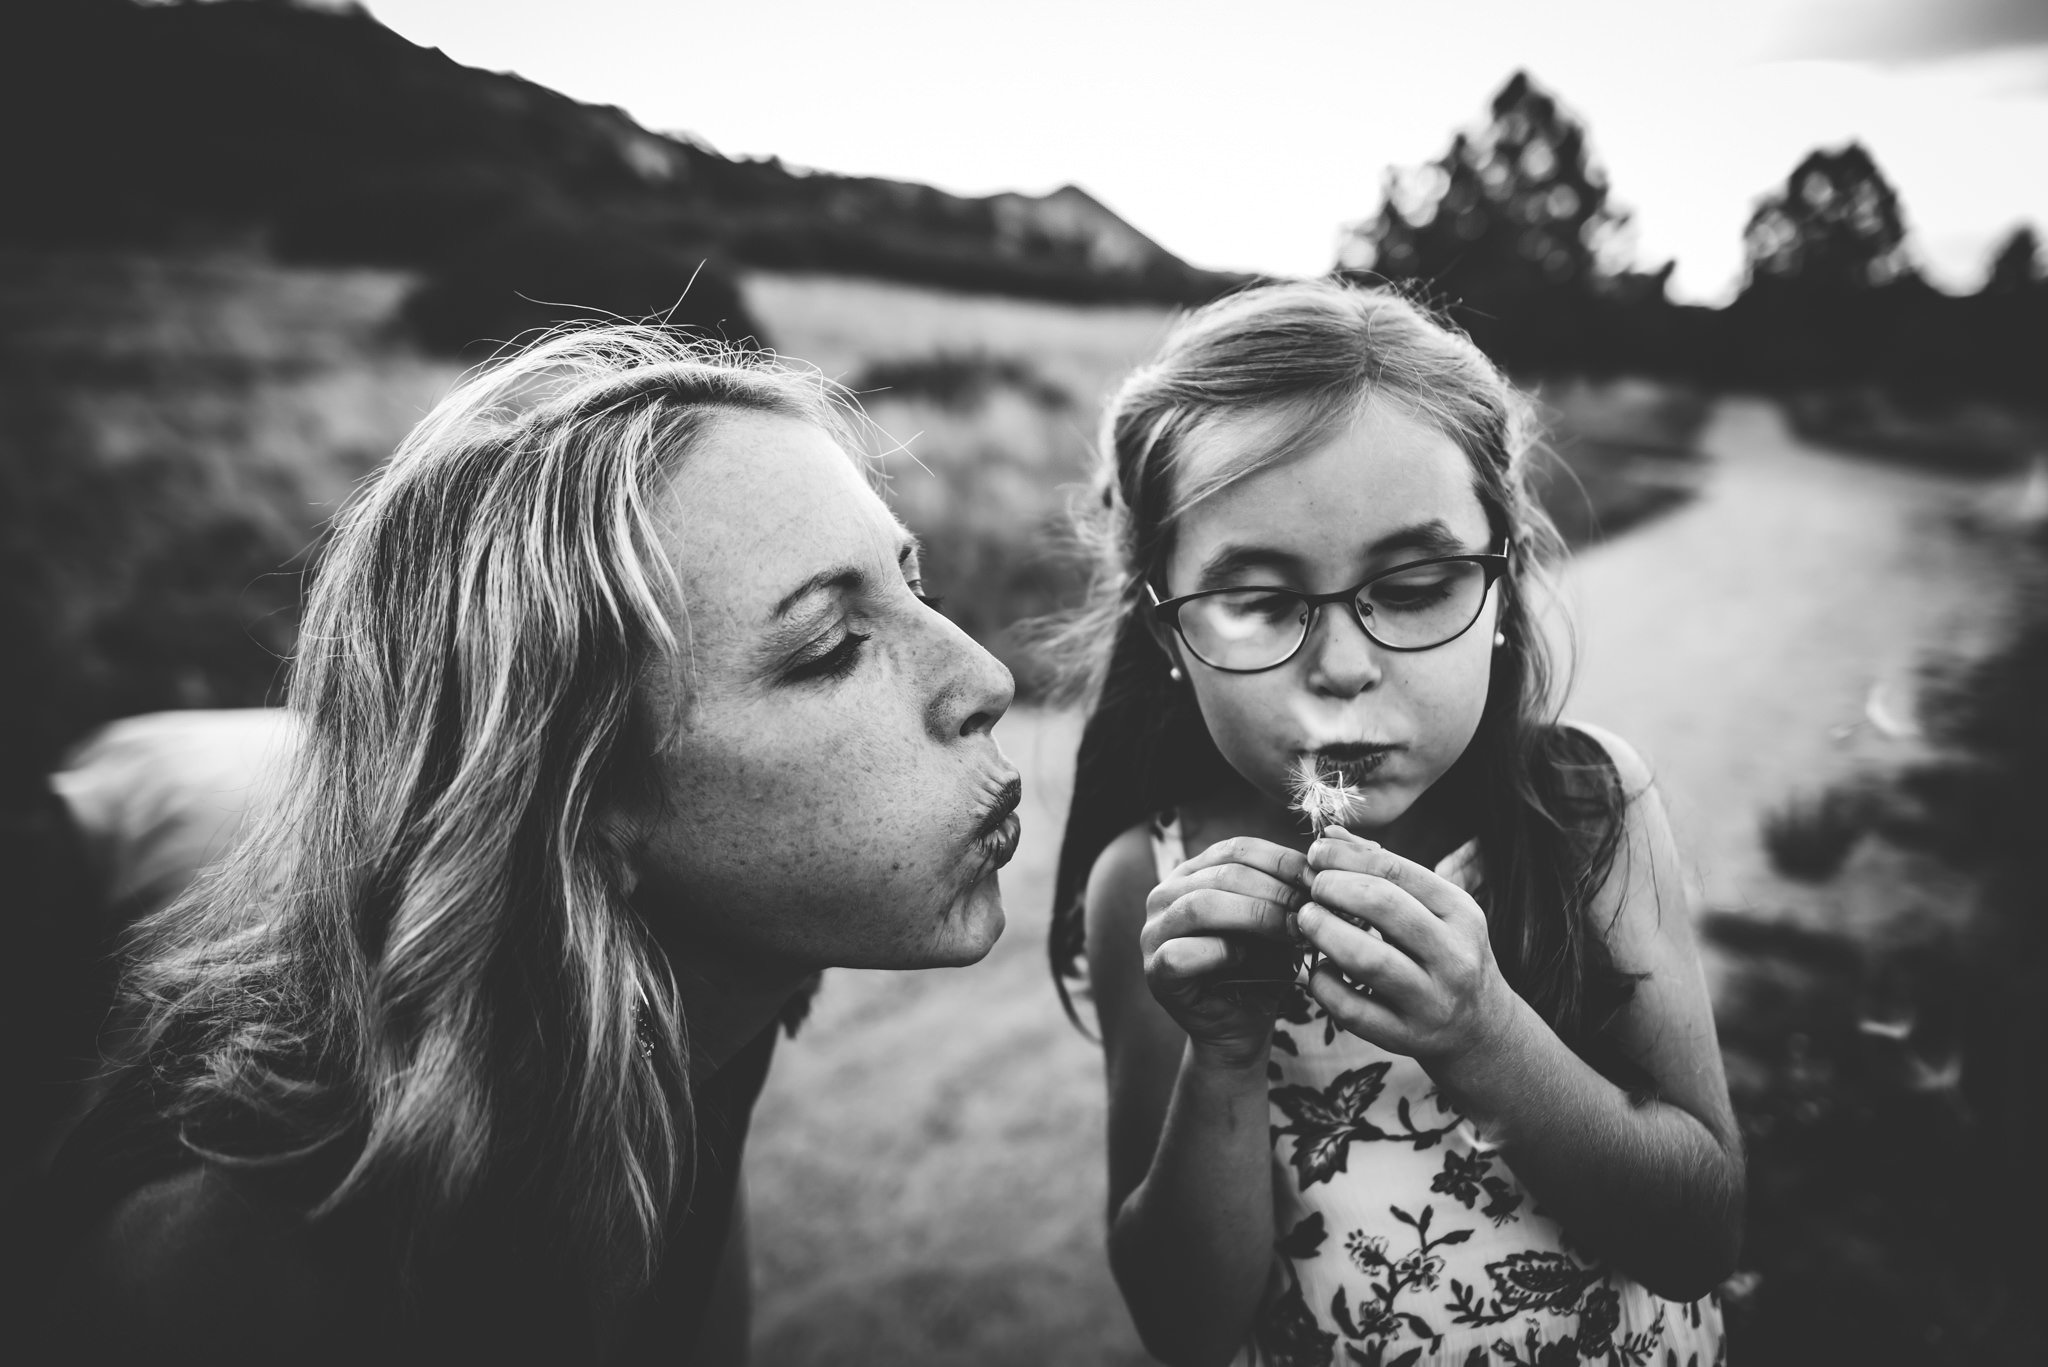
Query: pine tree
1836, 226
2016, 265
1516, 207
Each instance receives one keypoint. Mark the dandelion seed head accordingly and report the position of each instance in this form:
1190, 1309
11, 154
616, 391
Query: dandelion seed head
1320, 794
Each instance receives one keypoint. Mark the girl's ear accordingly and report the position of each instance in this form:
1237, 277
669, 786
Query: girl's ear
1169, 644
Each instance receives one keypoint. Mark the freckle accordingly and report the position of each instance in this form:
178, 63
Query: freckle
896, 867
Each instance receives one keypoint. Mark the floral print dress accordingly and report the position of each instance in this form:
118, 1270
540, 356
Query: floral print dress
1405, 1240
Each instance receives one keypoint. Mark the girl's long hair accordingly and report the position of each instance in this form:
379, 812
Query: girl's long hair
426, 956
1547, 803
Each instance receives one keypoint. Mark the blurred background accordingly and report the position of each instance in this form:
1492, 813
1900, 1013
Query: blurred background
1771, 271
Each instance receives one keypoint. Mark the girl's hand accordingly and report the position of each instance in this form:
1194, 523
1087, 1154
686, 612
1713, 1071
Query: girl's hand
1432, 989
1204, 924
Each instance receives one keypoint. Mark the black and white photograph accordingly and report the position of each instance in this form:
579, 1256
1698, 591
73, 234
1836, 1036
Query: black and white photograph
1075, 683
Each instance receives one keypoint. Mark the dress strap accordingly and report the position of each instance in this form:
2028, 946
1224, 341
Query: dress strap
1169, 846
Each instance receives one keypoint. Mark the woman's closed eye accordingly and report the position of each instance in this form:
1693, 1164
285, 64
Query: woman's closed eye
833, 658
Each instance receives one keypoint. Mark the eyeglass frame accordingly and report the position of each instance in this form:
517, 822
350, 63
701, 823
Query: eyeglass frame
1167, 611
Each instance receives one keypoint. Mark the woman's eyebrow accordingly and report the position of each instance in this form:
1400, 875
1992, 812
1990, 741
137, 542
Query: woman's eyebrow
845, 578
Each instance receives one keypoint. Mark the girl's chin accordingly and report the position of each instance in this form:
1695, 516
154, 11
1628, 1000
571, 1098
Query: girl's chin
1381, 809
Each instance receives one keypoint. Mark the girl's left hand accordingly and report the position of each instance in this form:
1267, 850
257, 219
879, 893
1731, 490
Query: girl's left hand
1432, 989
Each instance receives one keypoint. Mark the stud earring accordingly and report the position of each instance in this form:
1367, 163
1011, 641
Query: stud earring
1175, 674
1500, 638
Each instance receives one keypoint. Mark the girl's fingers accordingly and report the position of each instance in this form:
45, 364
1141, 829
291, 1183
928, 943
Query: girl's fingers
1363, 1015
1238, 878
1382, 905
1369, 959
1275, 861
1212, 911
1340, 849
1190, 957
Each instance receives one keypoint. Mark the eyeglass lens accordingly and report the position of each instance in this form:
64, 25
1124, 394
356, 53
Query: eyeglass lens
1412, 609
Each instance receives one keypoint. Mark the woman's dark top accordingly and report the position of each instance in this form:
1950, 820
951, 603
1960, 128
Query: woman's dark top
154, 1256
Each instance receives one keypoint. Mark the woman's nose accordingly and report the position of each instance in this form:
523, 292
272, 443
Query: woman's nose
976, 688
1343, 660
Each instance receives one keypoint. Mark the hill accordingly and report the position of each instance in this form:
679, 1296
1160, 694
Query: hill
324, 136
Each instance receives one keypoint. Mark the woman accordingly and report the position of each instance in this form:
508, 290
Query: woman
622, 714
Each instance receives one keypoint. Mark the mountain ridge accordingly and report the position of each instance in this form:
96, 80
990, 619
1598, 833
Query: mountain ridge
338, 140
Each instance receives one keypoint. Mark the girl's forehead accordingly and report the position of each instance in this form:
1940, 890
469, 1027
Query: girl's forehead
1382, 470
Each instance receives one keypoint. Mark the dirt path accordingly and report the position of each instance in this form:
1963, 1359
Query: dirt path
926, 1173
1738, 641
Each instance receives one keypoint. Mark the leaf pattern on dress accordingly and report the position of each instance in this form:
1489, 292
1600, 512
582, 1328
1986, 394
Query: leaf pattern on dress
1304, 1239
1325, 1123
1548, 1281
1287, 1333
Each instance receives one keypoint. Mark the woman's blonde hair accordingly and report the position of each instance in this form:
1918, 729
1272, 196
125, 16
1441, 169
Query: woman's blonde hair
429, 946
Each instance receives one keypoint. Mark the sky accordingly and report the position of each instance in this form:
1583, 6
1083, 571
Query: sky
1245, 134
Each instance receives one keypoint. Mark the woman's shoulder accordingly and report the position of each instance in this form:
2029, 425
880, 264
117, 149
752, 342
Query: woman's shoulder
203, 1260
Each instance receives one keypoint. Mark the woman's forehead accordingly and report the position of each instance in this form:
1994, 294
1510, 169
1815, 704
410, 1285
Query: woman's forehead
763, 504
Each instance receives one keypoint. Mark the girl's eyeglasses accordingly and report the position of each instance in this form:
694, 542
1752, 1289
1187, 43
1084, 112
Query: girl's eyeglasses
1417, 606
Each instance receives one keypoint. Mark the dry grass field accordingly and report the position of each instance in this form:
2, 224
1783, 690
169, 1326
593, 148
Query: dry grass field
173, 433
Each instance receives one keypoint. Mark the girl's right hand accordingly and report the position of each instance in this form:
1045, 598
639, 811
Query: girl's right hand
1201, 923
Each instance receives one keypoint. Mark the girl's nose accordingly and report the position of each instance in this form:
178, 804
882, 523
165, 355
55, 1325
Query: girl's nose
975, 688
1342, 660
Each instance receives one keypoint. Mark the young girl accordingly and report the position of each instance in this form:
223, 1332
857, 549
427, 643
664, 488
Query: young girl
1488, 1122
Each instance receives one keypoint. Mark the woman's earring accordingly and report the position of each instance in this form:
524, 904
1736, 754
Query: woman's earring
1500, 638
1175, 674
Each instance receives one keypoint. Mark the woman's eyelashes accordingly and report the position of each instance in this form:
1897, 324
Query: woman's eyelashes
835, 661
930, 600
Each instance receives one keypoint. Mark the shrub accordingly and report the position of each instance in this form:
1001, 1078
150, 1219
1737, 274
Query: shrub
1893, 1094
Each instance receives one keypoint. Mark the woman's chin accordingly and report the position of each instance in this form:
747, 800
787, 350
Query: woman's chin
971, 926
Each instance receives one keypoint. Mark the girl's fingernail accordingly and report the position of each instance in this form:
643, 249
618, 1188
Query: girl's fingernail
1294, 927
1303, 919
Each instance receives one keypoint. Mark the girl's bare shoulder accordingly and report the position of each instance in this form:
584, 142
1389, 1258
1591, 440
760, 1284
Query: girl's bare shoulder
1630, 769
1644, 894
1123, 877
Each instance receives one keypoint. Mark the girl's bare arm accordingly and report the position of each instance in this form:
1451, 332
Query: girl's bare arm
1656, 1187
1190, 1177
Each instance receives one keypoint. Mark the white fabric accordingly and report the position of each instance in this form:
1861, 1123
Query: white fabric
158, 797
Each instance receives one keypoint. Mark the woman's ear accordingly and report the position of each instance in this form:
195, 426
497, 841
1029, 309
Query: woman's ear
619, 836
